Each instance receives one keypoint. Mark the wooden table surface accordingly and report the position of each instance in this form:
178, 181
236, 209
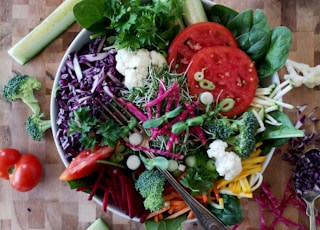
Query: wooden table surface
52, 205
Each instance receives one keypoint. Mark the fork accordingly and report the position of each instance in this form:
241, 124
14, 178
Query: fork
120, 114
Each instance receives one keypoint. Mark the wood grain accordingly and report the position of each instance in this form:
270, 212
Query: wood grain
52, 205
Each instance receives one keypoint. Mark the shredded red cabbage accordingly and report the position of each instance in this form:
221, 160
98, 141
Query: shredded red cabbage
307, 173
82, 80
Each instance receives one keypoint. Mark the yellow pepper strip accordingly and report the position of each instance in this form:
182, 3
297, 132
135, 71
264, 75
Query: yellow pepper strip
254, 160
245, 185
258, 144
240, 195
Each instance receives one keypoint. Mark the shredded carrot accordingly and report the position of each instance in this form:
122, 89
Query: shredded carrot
176, 202
171, 196
179, 213
156, 218
190, 215
216, 192
205, 198
155, 213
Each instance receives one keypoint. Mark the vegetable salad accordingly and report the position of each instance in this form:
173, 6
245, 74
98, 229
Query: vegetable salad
197, 130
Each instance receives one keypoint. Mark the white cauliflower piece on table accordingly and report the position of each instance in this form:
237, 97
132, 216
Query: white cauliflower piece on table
134, 65
228, 164
302, 74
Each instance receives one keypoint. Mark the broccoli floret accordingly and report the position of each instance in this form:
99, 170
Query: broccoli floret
221, 128
36, 127
21, 87
150, 185
238, 133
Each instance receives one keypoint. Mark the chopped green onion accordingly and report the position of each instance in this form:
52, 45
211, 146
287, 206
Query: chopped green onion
179, 127
206, 84
226, 104
193, 121
199, 76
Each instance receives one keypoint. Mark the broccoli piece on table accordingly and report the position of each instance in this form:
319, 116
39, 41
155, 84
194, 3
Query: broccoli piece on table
21, 87
36, 127
150, 185
238, 133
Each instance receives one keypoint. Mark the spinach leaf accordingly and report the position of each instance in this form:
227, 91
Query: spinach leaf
90, 14
286, 130
241, 23
256, 41
232, 212
221, 14
165, 224
281, 39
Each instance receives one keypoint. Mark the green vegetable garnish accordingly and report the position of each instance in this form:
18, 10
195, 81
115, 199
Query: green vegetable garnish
160, 20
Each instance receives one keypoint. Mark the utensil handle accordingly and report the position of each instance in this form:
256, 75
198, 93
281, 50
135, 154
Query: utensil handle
312, 213
207, 219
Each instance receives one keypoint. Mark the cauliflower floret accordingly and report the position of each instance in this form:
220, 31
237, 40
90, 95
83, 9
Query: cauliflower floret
300, 73
134, 65
217, 149
228, 164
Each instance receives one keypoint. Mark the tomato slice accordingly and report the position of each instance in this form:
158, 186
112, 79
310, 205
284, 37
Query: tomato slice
85, 164
194, 38
232, 73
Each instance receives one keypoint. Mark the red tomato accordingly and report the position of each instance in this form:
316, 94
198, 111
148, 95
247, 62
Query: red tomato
194, 38
8, 157
232, 73
27, 173
85, 163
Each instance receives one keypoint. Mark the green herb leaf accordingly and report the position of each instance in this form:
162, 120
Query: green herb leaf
150, 25
199, 179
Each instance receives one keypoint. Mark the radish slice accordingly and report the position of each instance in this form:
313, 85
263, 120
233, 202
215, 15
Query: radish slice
206, 98
135, 139
133, 162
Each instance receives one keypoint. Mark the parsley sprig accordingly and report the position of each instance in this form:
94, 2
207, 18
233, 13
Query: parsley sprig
92, 131
135, 24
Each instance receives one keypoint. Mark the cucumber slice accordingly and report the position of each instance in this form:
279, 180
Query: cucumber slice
99, 224
194, 12
50, 28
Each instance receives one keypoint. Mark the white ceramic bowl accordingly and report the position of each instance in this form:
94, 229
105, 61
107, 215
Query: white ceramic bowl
81, 39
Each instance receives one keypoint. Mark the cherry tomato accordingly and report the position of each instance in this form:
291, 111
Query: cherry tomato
194, 38
230, 72
85, 163
8, 157
26, 173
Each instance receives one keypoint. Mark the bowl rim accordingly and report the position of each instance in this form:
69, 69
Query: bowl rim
82, 38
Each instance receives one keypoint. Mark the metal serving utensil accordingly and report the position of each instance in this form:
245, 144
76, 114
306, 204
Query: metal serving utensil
121, 115
309, 196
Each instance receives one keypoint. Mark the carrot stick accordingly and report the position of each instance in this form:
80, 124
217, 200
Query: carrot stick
152, 214
177, 202
179, 213
190, 215
216, 192
171, 196
205, 198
